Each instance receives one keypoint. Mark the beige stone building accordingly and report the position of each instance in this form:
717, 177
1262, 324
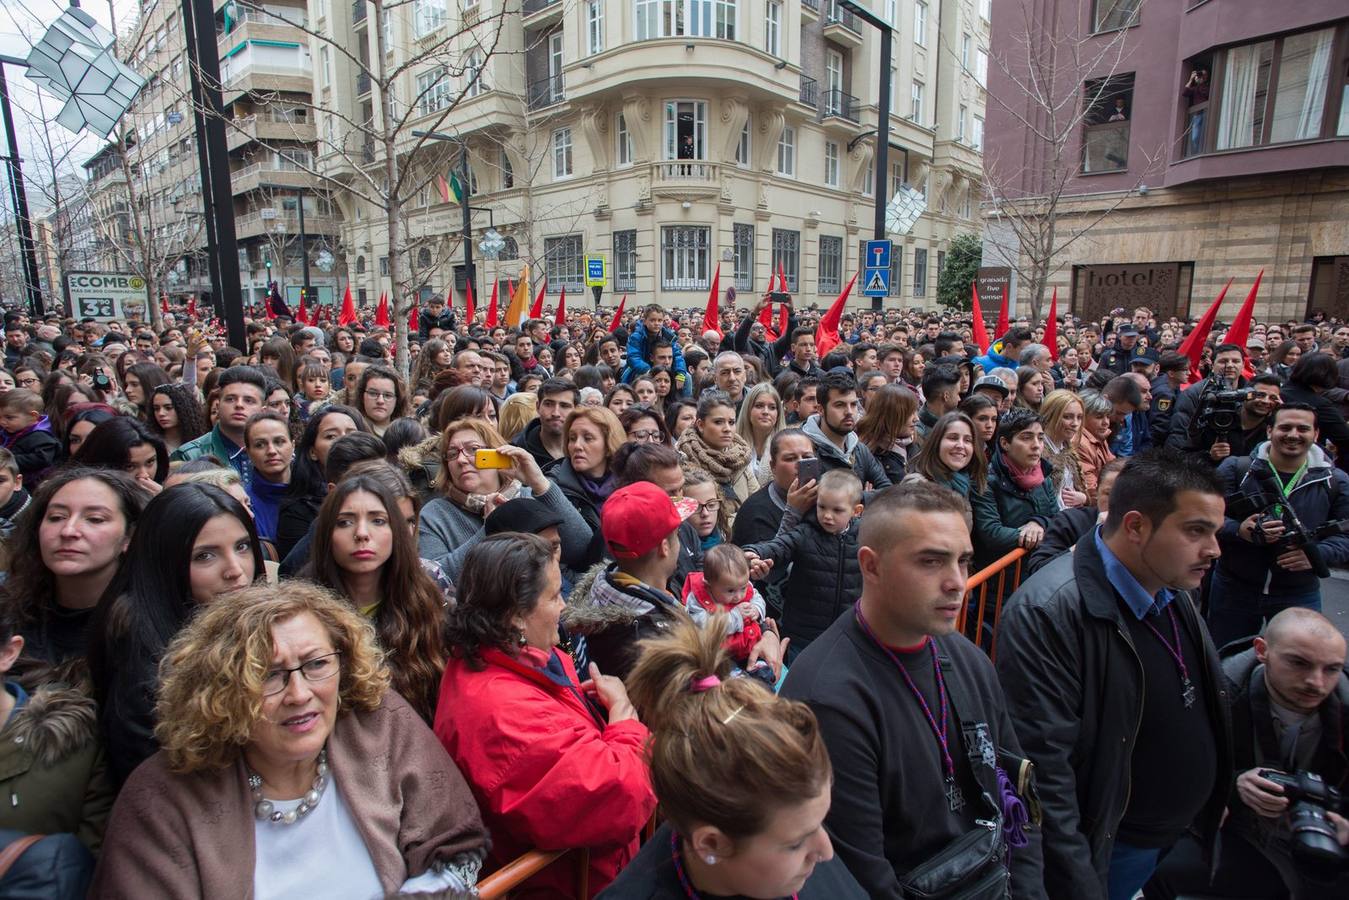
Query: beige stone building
668, 136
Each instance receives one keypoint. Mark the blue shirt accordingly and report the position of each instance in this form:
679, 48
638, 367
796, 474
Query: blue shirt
1136, 597
1123, 444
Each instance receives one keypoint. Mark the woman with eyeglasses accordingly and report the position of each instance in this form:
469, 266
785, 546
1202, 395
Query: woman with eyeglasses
198, 542
176, 415
646, 426
453, 522
29, 376
300, 773
710, 517
381, 397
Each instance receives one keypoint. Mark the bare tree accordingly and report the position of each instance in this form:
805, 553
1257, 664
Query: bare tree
1057, 81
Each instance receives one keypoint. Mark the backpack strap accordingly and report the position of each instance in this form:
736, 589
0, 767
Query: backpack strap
16, 848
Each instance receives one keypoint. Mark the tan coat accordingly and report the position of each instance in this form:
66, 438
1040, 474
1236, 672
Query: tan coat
191, 836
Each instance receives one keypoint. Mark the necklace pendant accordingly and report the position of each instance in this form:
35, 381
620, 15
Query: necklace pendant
955, 798
1187, 692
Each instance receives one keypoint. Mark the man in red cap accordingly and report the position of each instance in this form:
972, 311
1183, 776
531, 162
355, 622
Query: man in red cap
617, 604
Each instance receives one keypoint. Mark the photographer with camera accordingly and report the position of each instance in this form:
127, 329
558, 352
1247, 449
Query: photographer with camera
1290, 720
1225, 376
1224, 423
1277, 499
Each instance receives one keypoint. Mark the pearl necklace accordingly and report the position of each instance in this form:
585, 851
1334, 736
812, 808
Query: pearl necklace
263, 809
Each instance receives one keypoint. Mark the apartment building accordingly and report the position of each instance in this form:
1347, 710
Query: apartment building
668, 136
267, 80
1215, 138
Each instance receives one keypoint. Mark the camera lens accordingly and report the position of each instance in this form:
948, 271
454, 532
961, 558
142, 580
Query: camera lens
1314, 841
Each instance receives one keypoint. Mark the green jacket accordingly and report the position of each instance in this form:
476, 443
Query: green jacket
52, 773
214, 443
1001, 510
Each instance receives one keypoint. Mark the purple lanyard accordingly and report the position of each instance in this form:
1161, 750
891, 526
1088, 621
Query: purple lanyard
941, 730
1177, 651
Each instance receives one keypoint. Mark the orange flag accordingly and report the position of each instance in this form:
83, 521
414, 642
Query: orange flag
978, 330
515, 312
826, 334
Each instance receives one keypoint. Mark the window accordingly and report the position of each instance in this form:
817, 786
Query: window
1274, 91
960, 122
965, 43
986, 9
742, 242
384, 265
892, 12
869, 181
685, 129
920, 273
473, 77
1108, 15
428, 15
562, 263
326, 65
685, 257
920, 23
981, 67
896, 176
625, 260
562, 161
773, 28
1109, 105
787, 152
1300, 95
830, 164
594, 26
787, 256
916, 109
624, 141
742, 158
685, 18
433, 87
360, 265
977, 133
507, 172
831, 264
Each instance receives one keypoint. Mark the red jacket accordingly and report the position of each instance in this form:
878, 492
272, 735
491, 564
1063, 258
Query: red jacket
546, 772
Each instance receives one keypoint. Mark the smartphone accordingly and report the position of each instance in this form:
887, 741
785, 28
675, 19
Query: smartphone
780, 297
491, 459
807, 470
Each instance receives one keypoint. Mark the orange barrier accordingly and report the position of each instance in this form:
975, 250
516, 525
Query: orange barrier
1004, 574
500, 883
979, 582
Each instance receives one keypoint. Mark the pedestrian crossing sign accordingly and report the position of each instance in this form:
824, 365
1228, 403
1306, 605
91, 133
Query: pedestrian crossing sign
877, 283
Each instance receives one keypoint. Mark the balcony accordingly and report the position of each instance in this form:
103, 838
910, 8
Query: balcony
539, 12
547, 92
1105, 148
256, 224
268, 126
810, 92
839, 105
810, 8
270, 174
358, 11
685, 178
840, 25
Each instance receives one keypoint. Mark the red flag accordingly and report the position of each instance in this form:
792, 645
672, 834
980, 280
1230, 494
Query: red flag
348, 314
267, 307
766, 320
468, 303
192, 306
978, 330
561, 317
303, 314
414, 319
1002, 317
1052, 327
492, 308
163, 303
1193, 346
511, 282
710, 320
1240, 332
536, 310
784, 319
826, 333
782, 279
618, 315
382, 311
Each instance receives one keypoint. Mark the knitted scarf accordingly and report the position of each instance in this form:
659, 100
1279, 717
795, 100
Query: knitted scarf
1027, 480
722, 465
476, 504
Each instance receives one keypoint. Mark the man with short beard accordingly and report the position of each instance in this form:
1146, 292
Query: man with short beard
543, 437
832, 431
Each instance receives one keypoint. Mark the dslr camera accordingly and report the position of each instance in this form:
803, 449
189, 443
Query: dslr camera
1309, 798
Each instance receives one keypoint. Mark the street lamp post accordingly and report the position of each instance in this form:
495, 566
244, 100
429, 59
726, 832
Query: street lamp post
28, 250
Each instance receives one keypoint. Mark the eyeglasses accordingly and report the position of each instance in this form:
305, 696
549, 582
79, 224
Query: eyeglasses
379, 395
709, 506
468, 450
651, 435
318, 669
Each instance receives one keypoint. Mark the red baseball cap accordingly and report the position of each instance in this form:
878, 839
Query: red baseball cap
637, 517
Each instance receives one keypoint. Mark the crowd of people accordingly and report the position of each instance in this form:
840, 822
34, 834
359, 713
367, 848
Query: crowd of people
282, 620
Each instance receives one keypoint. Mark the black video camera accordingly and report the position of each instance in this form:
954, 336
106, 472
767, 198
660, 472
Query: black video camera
1271, 506
1219, 412
1309, 799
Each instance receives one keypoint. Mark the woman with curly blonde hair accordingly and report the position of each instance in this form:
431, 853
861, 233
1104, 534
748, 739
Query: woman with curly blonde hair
287, 766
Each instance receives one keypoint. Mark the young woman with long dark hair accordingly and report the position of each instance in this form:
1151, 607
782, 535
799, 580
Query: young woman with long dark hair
176, 414
127, 445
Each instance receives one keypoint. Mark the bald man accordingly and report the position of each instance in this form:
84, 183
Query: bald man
1290, 714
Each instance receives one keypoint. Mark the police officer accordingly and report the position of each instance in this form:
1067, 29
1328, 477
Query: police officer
1126, 348
1290, 713
1174, 369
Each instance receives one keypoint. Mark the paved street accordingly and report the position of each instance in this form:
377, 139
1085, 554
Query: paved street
1335, 599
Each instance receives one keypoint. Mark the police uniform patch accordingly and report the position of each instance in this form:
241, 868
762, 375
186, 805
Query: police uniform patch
1163, 404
